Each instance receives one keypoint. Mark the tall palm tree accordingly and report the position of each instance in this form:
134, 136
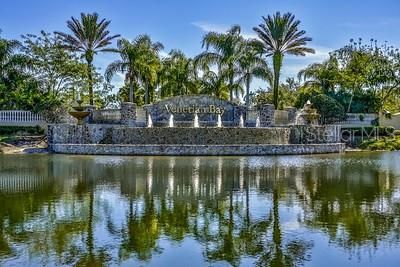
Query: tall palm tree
223, 50
324, 75
252, 65
140, 63
89, 36
129, 64
215, 84
280, 35
178, 75
150, 63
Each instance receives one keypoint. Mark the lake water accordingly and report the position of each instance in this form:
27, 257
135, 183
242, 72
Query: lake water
325, 210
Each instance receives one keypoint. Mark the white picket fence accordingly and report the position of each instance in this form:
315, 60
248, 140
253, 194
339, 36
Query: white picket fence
21, 182
20, 118
358, 120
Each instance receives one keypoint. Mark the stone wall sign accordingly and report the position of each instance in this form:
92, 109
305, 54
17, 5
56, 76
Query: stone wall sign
184, 107
210, 109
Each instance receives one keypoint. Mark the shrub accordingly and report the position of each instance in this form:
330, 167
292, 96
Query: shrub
330, 110
386, 143
10, 130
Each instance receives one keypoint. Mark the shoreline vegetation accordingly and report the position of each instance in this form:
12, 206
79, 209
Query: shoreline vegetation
382, 144
17, 144
17, 140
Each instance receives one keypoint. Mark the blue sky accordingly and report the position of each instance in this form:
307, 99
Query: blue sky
181, 24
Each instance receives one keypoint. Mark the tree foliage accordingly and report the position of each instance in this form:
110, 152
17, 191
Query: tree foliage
363, 78
178, 75
18, 88
329, 109
223, 50
59, 71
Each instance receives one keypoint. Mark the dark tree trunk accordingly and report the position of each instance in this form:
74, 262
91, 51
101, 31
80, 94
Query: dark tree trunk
277, 62
90, 82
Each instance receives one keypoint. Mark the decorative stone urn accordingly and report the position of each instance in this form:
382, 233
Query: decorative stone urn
79, 112
308, 115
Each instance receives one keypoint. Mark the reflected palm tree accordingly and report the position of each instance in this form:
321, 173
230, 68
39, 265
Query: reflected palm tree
213, 201
142, 232
279, 254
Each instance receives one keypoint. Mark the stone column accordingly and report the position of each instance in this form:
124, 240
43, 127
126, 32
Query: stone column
89, 119
267, 115
128, 113
237, 112
291, 114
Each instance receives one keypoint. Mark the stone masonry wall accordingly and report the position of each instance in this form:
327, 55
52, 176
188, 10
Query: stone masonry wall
113, 134
267, 115
123, 140
128, 113
306, 134
195, 150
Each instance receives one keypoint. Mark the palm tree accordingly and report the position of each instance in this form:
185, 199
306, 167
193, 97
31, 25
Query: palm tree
128, 64
178, 75
89, 36
140, 63
280, 35
324, 75
252, 65
214, 84
225, 53
150, 63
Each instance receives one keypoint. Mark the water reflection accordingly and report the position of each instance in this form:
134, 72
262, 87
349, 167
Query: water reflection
266, 211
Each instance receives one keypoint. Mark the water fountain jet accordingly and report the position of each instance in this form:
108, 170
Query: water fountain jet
219, 121
171, 121
196, 121
258, 122
149, 121
241, 121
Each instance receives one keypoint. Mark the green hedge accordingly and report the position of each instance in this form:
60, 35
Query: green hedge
10, 130
385, 143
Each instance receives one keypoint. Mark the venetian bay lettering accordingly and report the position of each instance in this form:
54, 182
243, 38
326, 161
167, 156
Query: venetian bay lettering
211, 109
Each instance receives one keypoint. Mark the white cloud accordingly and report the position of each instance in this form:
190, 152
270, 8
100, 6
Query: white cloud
209, 27
118, 80
163, 54
376, 23
321, 53
292, 64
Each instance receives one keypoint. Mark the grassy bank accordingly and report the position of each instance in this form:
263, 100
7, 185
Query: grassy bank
384, 143
18, 139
